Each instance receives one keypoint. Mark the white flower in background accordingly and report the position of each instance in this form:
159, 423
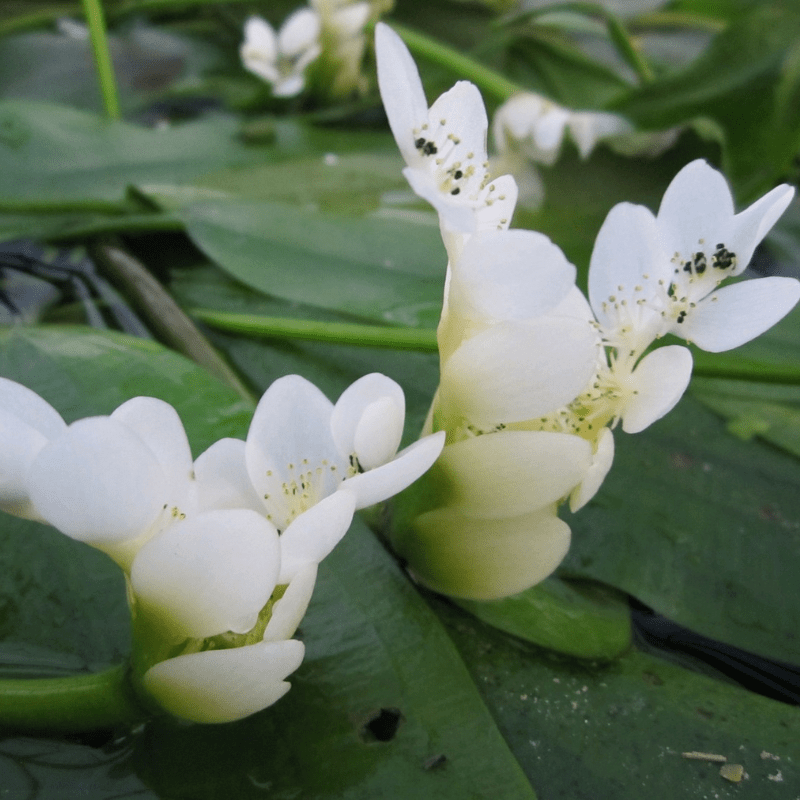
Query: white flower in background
529, 129
344, 42
281, 58
444, 147
655, 275
537, 126
302, 451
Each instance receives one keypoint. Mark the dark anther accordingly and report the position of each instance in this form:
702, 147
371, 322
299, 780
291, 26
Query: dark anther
458, 174
383, 726
419, 142
700, 263
455, 191
681, 316
723, 258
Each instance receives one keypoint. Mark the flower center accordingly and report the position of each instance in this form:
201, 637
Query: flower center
456, 169
302, 485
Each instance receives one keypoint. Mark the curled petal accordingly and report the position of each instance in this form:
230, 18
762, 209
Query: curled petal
314, 533
291, 608
208, 574
655, 386
224, 685
503, 275
737, 313
496, 376
368, 420
601, 463
484, 559
509, 473
383, 482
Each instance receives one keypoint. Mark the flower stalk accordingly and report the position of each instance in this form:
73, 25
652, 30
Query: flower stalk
102, 56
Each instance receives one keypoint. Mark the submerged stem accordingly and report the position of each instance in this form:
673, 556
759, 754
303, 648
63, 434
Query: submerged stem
77, 703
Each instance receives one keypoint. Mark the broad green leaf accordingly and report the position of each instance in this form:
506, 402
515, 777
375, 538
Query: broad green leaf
699, 526
581, 620
388, 270
53, 155
755, 409
584, 731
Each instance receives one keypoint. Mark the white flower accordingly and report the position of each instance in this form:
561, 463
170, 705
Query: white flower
210, 644
535, 126
444, 147
344, 43
306, 458
655, 275
281, 58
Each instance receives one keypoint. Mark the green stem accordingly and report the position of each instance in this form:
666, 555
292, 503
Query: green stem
313, 330
717, 365
78, 703
488, 80
102, 56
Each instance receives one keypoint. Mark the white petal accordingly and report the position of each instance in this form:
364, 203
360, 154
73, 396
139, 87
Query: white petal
289, 611
589, 127
368, 419
497, 214
504, 275
223, 480
158, 425
23, 403
209, 574
289, 86
27, 423
738, 313
314, 533
484, 559
627, 253
696, 213
383, 482
299, 32
656, 385
224, 685
98, 483
601, 464
511, 472
461, 108
755, 222
260, 36
516, 371
401, 89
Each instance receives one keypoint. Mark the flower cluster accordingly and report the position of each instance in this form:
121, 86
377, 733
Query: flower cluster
330, 34
221, 554
533, 377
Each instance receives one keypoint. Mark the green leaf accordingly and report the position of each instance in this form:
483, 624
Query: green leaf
53, 155
698, 525
584, 731
388, 270
581, 620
